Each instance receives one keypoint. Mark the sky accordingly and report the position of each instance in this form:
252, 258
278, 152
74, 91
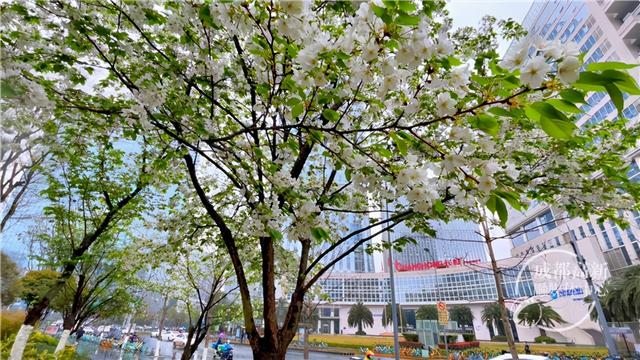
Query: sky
463, 12
470, 12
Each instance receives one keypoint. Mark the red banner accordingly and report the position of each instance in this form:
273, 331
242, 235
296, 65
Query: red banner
438, 264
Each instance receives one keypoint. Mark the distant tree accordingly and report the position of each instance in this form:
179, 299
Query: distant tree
461, 314
9, 280
387, 317
539, 314
491, 316
360, 316
35, 284
620, 296
427, 312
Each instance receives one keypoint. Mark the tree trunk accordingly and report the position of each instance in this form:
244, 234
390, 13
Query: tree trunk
543, 332
306, 343
163, 315
497, 274
67, 326
20, 342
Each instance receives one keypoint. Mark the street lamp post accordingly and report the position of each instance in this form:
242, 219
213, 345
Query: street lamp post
394, 312
435, 272
611, 345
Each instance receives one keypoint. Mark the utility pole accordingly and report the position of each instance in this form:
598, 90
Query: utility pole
435, 272
611, 345
394, 310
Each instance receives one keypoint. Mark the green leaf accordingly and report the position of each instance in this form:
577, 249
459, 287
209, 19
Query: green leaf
10, 88
331, 115
496, 205
611, 65
616, 96
557, 128
408, 20
401, 144
319, 233
623, 81
297, 110
276, 235
407, 6
486, 123
564, 105
575, 96
496, 110
512, 198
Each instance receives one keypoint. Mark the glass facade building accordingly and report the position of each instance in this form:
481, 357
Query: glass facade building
603, 30
471, 284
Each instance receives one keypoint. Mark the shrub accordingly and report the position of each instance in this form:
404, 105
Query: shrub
469, 337
499, 338
10, 322
410, 337
544, 339
461, 345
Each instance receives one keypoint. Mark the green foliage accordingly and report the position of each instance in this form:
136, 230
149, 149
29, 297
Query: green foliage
539, 314
410, 337
40, 346
499, 338
427, 312
469, 337
491, 316
462, 314
9, 280
37, 283
544, 339
387, 316
620, 297
360, 316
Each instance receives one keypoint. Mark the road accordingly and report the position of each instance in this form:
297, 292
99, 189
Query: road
167, 352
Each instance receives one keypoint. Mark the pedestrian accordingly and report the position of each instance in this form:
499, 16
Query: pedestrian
527, 350
79, 334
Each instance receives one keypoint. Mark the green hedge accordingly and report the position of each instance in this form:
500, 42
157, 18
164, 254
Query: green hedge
544, 339
411, 337
501, 338
40, 346
469, 337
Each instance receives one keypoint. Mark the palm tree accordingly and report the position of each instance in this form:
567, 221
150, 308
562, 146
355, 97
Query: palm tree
491, 316
427, 312
388, 319
461, 314
539, 314
620, 297
360, 316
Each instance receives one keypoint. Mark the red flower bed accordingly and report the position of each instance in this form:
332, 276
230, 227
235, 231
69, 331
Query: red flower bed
462, 345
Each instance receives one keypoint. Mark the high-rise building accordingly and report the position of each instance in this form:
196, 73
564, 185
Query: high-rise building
604, 30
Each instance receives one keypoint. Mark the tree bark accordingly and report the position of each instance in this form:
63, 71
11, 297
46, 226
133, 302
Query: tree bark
20, 342
67, 326
163, 315
497, 274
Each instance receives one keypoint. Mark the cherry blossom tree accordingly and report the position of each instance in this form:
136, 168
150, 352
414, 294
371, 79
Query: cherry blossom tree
293, 117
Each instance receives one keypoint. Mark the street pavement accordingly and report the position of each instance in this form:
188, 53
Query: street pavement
167, 352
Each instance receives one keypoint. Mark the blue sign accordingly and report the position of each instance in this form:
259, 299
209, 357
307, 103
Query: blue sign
565, 292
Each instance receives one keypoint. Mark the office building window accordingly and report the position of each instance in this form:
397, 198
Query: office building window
627, 259
592, 231
558, 241
584, 30
582, 234
605, 236
616, 233
636, 215
547, 221
632, 110
519, 240
636, 247
573, 233
634, 172
631, 236
532, 230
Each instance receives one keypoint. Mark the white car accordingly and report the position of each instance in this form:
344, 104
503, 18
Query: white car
181, 340
521, 357
169, 335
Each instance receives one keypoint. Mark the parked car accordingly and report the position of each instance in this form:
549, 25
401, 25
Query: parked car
521, 356
169, 335
88, 330
181, 340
